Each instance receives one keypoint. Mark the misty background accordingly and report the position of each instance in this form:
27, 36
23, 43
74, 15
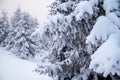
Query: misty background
37, 8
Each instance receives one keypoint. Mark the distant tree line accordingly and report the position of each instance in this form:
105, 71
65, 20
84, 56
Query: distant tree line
15, 33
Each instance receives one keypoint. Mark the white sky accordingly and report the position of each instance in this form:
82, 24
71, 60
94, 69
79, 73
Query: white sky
37, 8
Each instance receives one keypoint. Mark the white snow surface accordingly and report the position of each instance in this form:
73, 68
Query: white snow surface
94, 2
101, 30
114, 18
13, 68
82, 8
67, 5
110, 5
106, 59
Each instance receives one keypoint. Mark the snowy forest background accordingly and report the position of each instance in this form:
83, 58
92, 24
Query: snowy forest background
79, 41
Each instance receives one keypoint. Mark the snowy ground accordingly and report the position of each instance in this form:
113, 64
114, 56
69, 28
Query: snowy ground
12, 68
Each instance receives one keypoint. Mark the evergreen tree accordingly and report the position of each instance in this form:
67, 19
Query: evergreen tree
4, 26
18, 41
64, 38
103, 41
64, 35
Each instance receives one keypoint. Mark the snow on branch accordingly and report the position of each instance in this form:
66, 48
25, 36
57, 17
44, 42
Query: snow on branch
106, 59
67, 5
110, 5
82, 8
101, 30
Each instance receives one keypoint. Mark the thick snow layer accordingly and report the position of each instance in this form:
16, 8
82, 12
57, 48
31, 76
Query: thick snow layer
110, 5
66, 6
94, 2
82, 8
106, 59
101, 30
12, 68
114, 18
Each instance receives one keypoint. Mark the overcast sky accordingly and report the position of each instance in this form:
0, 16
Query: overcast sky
37, 8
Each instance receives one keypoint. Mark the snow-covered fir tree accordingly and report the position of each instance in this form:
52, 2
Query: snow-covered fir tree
63, 40
18, 41
4, 26
103, 41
